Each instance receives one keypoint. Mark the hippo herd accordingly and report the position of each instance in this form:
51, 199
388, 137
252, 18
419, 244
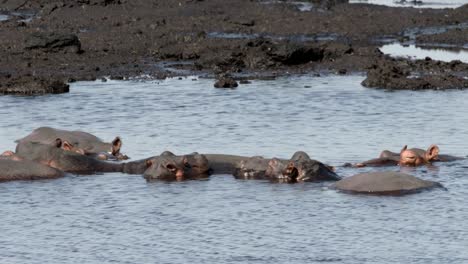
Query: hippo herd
49, 153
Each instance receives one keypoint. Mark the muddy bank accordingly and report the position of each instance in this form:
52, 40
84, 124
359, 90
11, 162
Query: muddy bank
455, 37
402, 74
87, 39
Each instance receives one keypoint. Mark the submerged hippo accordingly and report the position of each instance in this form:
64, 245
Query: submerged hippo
384, 183
170, 167
423, 156
56, 157
80, 141
13, 167
407, 157
300, 168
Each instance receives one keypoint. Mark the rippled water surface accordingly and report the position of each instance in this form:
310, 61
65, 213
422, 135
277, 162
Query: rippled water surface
116, 218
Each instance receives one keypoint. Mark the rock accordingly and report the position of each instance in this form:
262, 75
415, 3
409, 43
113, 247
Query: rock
28, 86
384, 183
225, 82
53, 42
342, 71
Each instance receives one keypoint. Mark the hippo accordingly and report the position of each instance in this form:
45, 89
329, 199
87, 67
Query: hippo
407, 157
426, 154
80, 142
300, 168
384, 183
13, 167
170, 167
67, 161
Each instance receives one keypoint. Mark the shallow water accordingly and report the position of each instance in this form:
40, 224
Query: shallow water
4, 17
122, 219
293, 38
422, 4
416, 52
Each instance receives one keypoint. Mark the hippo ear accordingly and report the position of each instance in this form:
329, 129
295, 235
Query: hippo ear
148, 163
432, 152
116, 145
58, 142
403, 149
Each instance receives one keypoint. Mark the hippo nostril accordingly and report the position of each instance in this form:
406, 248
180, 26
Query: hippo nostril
171, 167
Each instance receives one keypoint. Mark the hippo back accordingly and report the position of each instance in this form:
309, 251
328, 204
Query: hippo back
11, 170
384, 183
86, 141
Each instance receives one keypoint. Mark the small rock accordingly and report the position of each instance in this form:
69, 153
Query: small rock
226, 82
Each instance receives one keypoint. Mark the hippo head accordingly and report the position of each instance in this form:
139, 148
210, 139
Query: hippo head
196, 166
300, 168
170, 167
416, 157
252, 168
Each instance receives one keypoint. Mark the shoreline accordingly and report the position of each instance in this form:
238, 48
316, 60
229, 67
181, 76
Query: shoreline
86, 40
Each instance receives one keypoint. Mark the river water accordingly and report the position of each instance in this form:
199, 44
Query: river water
116, 218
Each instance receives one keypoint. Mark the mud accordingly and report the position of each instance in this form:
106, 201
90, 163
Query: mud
69, 40
403, 74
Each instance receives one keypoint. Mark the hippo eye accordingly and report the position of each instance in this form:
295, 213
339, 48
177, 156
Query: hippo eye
171, 167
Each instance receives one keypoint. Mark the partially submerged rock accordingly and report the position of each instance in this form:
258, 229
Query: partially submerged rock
384, 183
33, 86
226, 82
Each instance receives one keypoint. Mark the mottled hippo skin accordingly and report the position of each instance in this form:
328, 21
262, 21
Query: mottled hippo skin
384, 183
14, 168
408, 157
56, 157
300, 168
79, 141
170, 167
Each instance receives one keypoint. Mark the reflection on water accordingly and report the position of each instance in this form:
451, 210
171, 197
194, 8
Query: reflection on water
122, 219
412, 51
417, 4
300, 5
4, 17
